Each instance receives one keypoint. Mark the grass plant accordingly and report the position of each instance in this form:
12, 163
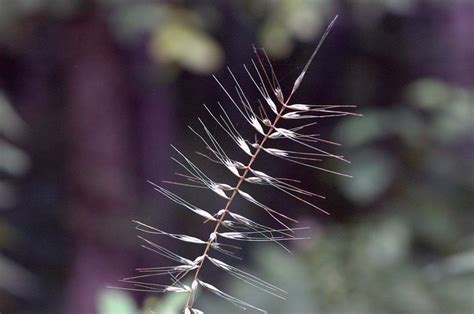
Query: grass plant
264, 118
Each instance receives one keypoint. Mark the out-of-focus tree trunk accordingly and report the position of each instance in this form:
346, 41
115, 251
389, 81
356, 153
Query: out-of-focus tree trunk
100, 161
460, 44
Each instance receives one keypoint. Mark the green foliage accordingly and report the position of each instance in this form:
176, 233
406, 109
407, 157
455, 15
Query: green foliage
430, 121
14, 163
115, 302
119, 302
170, 303
373, 175
366, 268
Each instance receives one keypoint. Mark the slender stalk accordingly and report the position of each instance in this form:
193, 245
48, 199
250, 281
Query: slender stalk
189, 303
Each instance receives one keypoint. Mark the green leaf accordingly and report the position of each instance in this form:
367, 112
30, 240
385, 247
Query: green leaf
374, 173
115, 302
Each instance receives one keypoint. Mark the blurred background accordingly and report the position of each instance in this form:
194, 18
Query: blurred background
93, 92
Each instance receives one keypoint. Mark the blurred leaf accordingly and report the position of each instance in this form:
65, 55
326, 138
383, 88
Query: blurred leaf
307, 18
374, 173
455, 119
11, 125
13, 161
460, 264
289, 20
15, 279
276, 40
172, 303
435, 221
186, 46
454, 294
409, 127
115, 302
428, 93
132, 20
277, 268
388, 243
450, 107
357, 132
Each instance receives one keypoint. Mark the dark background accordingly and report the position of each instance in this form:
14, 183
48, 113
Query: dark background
93, 92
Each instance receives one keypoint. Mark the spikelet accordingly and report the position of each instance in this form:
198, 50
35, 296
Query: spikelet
227, 223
